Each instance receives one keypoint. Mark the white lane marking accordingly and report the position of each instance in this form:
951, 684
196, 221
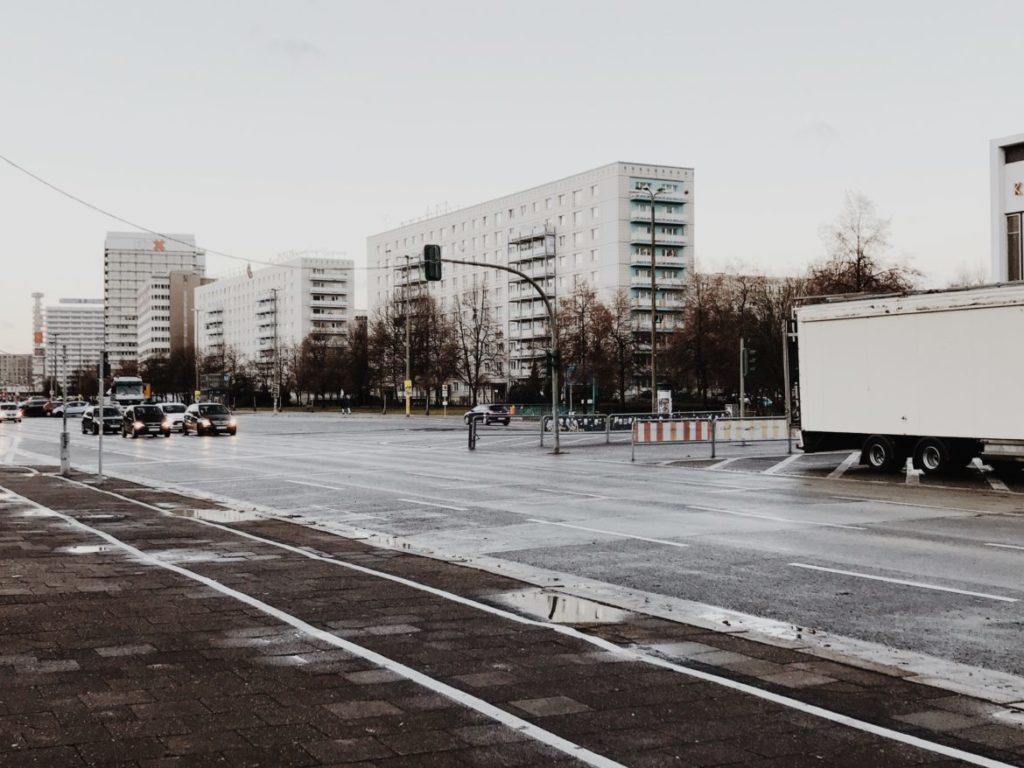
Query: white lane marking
12, 451
431, 504
995, 483
431, 476
740, 490
468, 700
906, 582
913, 475
847, 463
609, 533
1005, 546
782, 464
605, 645
344, 486
909, 504
774, 518
571, 493
724, 462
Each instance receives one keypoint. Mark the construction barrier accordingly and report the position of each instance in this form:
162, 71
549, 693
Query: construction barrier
616, 422
712, 430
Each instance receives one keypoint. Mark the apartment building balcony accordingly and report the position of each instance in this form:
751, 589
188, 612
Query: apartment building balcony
663, 197
544, 249
537, 232
644, 215
328, 303
639, 260
644, 238
525, 311
674, 304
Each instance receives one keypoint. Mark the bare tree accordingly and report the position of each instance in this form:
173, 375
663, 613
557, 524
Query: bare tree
621, 342
856, 243
479, 341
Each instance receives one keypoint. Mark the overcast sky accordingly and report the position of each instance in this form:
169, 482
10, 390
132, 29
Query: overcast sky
263, 127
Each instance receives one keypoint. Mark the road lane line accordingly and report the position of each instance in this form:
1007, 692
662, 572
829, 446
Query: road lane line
906, 583
724, 463
571, 493
605, 645
431, 504
782, 464
848, 462
774, 518
1005, 546
909, 504
431, 684
609, 533
346, 486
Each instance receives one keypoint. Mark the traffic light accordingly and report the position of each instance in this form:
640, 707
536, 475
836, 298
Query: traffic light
106, 366
432, 262
552, 361
749, 361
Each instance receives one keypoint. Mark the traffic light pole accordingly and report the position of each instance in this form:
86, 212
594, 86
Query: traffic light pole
743, 373
554, 335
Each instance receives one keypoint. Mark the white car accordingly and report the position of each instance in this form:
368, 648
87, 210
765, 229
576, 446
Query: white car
72, 408
175, 413
10, 412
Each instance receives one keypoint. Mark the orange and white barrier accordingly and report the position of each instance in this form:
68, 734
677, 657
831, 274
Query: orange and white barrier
672, 431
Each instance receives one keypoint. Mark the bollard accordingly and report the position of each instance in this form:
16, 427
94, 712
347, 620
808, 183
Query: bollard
472, 434
714, 430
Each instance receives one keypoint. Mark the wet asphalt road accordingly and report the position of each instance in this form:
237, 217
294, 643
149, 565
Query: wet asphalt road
928, 566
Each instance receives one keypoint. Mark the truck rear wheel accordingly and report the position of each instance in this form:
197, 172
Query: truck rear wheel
931, 456
880, 454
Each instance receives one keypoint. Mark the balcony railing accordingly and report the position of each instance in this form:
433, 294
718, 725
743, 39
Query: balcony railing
644, 238
662, 197
644, 215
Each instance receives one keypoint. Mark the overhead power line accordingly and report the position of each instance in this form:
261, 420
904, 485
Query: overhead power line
140, 227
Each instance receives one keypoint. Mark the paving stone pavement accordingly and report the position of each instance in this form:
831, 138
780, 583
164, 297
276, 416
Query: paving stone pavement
109, 660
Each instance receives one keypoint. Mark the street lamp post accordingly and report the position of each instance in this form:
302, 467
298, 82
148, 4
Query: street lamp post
195, 343
407, 384
65, 440
654, 306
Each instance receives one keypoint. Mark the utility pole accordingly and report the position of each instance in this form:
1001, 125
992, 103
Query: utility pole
65, 441
195, 342
743, 373
277, 360
654, 304
408, 368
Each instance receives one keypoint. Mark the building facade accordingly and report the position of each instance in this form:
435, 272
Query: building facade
166, 314
73, 335
38, 345
130, 261
16, 373
1006, 165
257, 312
593, 229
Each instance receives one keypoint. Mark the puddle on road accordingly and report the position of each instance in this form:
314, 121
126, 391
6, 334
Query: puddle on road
218, 515
562, 609
87, 549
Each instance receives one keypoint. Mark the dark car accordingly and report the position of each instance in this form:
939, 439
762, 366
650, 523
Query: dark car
208, 419
34, 406
488, 414
111, 420
144, 420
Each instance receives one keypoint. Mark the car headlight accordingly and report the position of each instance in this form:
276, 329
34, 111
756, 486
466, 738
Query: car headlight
165, 424
205, 422
138, 425
231, 423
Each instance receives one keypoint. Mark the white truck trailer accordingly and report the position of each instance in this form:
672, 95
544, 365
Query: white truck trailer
929, 375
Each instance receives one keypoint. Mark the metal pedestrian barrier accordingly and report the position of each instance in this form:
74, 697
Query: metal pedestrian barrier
713, 430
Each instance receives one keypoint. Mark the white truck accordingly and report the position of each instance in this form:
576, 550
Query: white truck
930, 375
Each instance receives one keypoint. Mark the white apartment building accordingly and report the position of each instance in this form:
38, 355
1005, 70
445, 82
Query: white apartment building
15, 372
130, 261
166, 314
73, 336
280, 305
1006, 167
593, 228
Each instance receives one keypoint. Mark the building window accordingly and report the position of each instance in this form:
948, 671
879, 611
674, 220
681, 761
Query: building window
577, 218
1013, 247
561, 200
594, 190
547, 203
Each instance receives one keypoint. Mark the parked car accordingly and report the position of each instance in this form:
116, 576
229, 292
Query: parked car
488, 414
175, 413
144, 420
50, 405
72, 408
10, 412
111, 420
208, 419
34, 406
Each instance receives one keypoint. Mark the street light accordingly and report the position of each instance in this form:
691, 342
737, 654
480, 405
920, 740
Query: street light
654, 310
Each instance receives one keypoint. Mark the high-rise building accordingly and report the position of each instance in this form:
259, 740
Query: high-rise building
166, 314
256, 312
130, 261
15, 373
1006, 168
73, 331
594, 228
